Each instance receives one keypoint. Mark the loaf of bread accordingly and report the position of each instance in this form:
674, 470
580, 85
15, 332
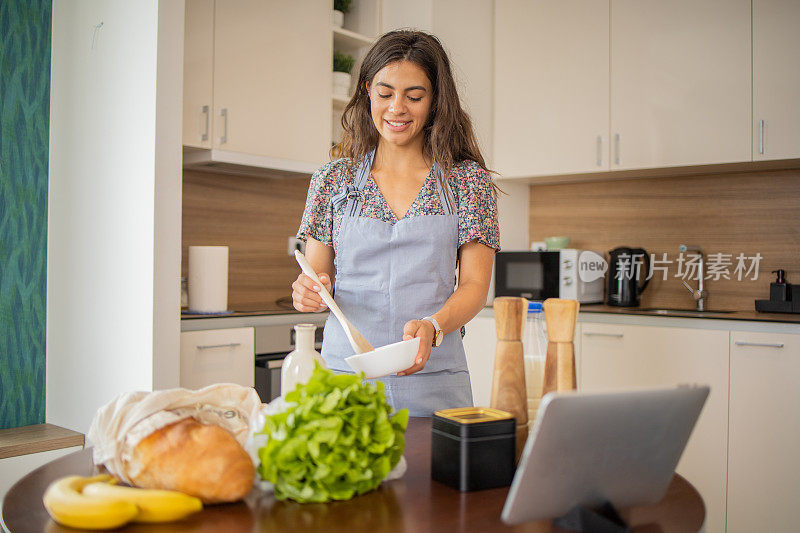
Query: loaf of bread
197, 459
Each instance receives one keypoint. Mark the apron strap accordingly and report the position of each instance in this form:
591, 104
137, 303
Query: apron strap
443, 192
356, 198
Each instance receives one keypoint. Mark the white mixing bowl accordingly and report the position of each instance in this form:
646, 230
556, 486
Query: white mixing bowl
389, 359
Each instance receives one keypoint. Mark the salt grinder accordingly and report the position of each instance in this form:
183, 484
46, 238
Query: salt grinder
559, 369
508, 380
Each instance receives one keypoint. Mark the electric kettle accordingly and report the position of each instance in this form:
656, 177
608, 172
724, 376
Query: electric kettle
628, 269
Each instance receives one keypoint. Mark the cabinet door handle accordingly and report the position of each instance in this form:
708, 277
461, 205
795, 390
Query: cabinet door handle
206, 112
599, 334
761, 136
616, 148
210, 346
599, 150
224, 114
761, 344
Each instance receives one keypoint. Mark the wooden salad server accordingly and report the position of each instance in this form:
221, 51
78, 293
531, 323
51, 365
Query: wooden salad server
559, 369
508, 380
357, 340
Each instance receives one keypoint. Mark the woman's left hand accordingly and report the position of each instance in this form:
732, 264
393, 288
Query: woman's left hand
425, 331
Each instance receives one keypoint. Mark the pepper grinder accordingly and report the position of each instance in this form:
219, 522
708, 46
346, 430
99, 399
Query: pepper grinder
559, 367
508, 380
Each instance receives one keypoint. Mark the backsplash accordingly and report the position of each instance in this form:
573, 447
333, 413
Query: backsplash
254, 217
744, 213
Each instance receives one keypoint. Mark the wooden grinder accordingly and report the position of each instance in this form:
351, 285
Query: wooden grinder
559, 369
508, 380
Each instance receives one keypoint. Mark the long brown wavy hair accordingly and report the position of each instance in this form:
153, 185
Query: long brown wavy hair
448, 134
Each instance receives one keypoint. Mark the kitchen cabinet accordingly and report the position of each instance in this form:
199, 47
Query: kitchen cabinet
551, 87
616, 356
217, 356
586, 87
680, 82
270, 77
776, 79
763, 463
198, 72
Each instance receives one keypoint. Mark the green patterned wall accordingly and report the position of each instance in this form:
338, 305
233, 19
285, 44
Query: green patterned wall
25, 28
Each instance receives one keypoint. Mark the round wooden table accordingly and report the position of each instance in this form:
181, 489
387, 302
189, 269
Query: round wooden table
413, 503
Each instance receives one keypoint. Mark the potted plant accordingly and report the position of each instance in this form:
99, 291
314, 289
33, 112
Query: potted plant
340, 7
342, 65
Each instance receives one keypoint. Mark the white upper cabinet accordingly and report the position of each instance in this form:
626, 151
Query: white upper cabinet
198, 73
271, 72
272, 78
551, 87
776, 79
680, 82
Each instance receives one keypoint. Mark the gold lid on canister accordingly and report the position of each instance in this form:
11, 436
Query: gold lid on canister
473, 415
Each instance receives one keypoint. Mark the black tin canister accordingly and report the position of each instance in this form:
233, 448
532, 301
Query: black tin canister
473, 448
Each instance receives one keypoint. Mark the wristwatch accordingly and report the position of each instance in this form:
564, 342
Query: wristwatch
438, 334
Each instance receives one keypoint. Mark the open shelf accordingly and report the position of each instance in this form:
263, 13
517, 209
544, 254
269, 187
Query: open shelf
348, 41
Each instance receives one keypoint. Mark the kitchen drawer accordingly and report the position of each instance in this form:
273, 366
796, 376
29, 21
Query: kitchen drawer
217, 356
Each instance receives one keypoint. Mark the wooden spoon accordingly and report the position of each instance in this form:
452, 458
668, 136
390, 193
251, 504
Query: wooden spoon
357, 340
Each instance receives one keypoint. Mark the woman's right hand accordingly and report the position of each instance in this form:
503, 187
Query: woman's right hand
305, 293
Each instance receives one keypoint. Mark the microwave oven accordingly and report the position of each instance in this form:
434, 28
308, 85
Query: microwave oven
543, 274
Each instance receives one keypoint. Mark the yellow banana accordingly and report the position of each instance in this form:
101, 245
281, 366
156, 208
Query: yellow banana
154, 505
69, 507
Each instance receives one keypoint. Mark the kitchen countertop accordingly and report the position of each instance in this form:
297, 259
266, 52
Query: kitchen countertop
247, 319
691, 313
262, 312
593, 312
585, 308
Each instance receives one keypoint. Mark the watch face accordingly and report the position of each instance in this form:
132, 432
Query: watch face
437, 338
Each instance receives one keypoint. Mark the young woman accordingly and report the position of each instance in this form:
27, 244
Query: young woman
410, 201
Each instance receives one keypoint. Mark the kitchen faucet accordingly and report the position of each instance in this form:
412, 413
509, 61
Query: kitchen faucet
700, 294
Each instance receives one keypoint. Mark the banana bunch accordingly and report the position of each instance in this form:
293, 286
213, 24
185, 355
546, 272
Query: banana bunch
97, 503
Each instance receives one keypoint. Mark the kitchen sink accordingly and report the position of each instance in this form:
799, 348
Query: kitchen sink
667, 311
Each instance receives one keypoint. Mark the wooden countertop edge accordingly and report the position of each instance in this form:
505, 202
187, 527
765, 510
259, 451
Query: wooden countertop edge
37, 438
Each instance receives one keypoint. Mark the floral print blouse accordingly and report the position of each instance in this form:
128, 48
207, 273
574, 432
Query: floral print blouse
471, 186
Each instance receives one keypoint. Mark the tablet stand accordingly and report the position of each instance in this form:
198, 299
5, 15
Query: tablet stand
603, 519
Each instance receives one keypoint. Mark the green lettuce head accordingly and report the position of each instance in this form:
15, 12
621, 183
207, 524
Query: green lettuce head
338, 438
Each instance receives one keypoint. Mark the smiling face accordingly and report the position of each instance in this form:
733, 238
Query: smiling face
400, 98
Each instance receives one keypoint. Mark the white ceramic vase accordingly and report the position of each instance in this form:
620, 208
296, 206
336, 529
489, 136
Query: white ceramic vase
299, 365
341, 84
338, 18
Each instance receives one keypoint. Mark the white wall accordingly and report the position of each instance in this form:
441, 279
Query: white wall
512, 210
106, 268
168, 196
416, 14
466, 30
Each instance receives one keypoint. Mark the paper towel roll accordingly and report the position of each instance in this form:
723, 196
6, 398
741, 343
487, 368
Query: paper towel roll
208, 279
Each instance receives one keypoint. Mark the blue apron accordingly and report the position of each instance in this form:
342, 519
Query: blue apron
388, 274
